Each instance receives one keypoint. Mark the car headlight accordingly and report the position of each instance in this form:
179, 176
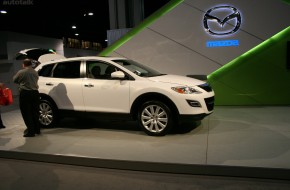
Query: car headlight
185, 90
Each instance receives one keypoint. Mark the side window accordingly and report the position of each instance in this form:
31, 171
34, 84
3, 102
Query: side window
99, 70
45, 71
67, 70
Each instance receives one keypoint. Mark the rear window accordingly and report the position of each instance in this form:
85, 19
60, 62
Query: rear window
67, 70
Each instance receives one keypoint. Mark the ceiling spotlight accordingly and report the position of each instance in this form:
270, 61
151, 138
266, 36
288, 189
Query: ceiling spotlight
3, 12
74, 27
76, 34
90, 14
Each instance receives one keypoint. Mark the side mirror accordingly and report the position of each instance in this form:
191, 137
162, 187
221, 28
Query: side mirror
118, 75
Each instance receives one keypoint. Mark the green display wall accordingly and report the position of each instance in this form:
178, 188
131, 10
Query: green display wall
258, 77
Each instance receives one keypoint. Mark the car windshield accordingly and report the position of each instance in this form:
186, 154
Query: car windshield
138, 69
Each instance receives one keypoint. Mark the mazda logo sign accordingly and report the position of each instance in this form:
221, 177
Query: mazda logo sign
222, 20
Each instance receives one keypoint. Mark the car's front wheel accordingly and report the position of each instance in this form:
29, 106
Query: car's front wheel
47, 113
155, 118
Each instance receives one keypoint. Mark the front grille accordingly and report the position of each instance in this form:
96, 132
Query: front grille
205, 87
209, 103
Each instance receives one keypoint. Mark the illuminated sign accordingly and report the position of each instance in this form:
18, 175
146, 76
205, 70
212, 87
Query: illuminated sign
222, 43
222, 20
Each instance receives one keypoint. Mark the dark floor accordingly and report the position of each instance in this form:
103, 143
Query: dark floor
19, 174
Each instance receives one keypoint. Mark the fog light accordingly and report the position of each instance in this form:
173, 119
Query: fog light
193, 103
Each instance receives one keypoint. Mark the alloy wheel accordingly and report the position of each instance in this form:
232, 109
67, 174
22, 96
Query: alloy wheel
46, 114
154, 118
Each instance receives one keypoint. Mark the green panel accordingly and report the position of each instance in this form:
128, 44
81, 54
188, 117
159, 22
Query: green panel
230, 94
287, 1
166, 8
258, 77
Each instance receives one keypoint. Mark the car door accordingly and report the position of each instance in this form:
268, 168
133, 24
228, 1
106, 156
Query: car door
102, 93
65, 86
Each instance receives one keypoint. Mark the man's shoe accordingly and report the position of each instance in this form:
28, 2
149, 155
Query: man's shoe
28, 135
2, 126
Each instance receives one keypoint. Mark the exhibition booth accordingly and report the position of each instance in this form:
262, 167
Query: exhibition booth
241, 46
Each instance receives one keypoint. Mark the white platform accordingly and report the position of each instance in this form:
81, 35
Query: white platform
254, 137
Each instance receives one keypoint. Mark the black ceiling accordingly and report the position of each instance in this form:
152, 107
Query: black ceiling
52, 18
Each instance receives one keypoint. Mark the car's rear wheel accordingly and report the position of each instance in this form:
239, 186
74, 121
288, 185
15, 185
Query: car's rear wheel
47, 113
155, 118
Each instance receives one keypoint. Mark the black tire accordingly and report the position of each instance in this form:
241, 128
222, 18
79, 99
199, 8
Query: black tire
47, 114
155, 118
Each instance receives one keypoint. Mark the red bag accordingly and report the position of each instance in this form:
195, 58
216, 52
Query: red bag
6, 96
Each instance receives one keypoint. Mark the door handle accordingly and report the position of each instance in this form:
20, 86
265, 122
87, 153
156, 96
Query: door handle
49, 84
89, 85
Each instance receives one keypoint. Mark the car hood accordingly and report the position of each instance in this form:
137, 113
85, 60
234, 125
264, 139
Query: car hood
177, 80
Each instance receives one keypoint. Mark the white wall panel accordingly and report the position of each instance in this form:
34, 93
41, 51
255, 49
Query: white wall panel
166, 55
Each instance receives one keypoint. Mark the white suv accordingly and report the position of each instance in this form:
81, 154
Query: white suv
111, 87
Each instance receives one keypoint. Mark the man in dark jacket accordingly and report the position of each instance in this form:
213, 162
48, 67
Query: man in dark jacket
27, 79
